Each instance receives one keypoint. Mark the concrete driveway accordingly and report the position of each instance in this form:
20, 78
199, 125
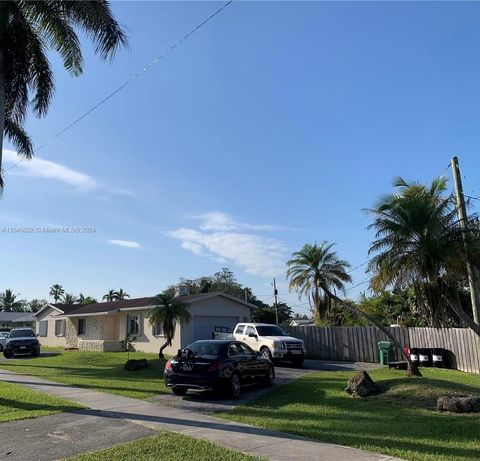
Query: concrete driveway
207, 402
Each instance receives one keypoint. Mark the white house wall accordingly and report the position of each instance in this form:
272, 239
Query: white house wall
51, 339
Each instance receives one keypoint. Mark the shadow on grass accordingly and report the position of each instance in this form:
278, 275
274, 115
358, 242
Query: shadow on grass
31, 406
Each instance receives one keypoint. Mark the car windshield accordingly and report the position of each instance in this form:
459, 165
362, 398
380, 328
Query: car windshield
22, 334
206, 348
270, 330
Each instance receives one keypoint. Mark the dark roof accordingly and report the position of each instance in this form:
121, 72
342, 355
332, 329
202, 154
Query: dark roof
111, 306
17, 317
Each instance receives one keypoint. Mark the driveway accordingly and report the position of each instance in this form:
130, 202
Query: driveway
206, 402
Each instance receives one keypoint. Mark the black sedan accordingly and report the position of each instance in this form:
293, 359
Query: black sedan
217, 365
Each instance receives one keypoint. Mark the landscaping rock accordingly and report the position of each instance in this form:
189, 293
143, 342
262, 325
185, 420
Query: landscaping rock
361, 385
459, 403
135, 365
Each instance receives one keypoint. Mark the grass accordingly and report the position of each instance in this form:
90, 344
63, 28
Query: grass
102, 371
401, 421
167, 447
18, 402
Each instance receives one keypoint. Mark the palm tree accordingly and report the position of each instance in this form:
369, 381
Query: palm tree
418, 243
121, 294
29, 30
314, 272
9, 303
168, 312
57, 292
82, 299
110, 296
69, 298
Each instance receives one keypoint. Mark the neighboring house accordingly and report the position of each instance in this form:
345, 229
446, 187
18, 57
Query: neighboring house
102, 326
301, 323
9, 320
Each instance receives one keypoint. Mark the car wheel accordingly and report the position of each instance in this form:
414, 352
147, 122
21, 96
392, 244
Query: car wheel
270, 377
7, 354
265, 351
298, 362
36, 352
179, 390
235, 387
1, 348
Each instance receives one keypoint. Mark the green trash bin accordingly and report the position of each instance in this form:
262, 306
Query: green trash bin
385, 351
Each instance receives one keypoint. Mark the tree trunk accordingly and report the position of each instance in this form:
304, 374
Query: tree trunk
412, 369
160, 352
463, 316
3, 30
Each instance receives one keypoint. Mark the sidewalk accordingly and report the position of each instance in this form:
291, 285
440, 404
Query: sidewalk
111, 410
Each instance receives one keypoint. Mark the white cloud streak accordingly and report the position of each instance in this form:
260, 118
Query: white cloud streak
226, 240
126, 244
39, 168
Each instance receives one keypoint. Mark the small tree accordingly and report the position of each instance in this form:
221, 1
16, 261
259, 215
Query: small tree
109, 296
56, 291
9, 302
168, 312
69, 298
121, 294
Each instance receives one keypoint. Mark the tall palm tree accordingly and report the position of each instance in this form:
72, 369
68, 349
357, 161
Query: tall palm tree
314, 272
82, 299
56, 291
418, 243
28, 31
69, 298
121, 294
168, 312
9, 303
110, 296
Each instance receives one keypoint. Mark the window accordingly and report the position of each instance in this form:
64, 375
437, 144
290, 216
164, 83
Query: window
43, 328
270, 330
158, 330
234, 350
239, 330
59, 327
250, 330
82, 326
133, 325
245, 350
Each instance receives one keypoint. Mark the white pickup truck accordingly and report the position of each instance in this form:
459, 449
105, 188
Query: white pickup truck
271, 341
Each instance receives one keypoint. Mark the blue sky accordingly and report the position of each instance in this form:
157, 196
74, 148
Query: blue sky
273, 126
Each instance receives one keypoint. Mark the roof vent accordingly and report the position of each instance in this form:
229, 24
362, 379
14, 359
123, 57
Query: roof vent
182, 290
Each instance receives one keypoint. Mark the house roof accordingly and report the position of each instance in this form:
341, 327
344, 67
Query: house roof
17, 317
70, 310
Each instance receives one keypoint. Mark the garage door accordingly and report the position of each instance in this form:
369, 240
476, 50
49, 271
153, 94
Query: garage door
204, 325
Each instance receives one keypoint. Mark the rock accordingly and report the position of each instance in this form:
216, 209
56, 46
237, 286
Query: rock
361, 385
135, 365
459, 403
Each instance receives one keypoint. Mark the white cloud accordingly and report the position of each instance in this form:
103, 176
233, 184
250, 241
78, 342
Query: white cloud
221, 237
37, 167
126, 244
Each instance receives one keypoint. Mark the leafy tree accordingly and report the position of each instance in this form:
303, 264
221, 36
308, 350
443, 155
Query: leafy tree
267, 314
314, 272
419, 244
10, 303
82, 299
28, 31
110, 296
56, 291
69, 298
168, 312
121, 294
36, 304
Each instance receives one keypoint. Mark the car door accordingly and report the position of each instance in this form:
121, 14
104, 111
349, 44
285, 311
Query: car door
249, 340
253, 368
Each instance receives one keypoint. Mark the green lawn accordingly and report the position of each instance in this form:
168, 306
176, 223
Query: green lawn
95, 370
18, 402
400, 422
167, 447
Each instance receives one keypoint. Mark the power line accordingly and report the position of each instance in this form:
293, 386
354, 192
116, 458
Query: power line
134, 77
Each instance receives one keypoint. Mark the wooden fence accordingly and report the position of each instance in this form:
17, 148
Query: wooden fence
360, 344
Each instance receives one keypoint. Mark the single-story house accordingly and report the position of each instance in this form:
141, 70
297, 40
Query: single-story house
9, 320
301, 323
102, 326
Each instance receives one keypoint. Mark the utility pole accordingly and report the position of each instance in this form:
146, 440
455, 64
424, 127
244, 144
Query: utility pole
275, 294
473, 280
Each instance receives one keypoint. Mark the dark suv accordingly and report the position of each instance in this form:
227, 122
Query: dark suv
21, 341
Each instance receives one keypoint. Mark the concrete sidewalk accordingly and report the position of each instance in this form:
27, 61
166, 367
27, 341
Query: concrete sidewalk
110, 409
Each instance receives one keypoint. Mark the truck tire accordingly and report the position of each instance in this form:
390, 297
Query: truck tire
265, 351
